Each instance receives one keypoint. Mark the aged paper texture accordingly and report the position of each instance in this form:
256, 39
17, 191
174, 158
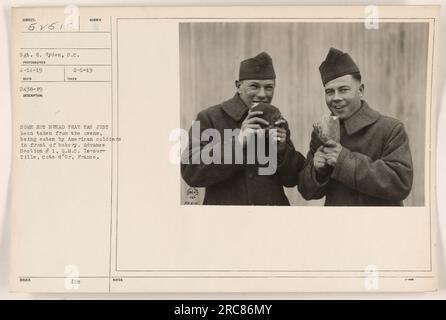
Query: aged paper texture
101, 97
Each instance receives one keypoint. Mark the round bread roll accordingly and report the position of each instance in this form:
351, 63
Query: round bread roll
270, 114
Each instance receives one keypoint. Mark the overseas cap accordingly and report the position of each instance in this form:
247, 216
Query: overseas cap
337, 64
258, 68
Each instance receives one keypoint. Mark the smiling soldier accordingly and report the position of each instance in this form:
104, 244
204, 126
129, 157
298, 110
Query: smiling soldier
372, 164
240, 183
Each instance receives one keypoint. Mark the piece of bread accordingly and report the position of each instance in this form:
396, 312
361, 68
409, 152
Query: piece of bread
270, 114
328, 129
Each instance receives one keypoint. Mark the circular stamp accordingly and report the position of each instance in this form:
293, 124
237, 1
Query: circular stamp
191, 195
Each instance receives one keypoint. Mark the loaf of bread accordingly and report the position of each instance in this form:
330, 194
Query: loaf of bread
328, 128
270, 114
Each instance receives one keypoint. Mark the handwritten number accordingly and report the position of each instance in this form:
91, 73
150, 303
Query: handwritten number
32, 26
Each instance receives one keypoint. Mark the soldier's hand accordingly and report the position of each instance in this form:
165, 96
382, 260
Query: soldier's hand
319, 161
331, 150
279, 135
315, 142
250, 125
280, 122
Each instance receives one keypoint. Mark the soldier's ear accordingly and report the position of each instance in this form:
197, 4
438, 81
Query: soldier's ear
361, 90
238, 84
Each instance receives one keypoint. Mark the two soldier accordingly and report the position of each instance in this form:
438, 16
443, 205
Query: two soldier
369, 165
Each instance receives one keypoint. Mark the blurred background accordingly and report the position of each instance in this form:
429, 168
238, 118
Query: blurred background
392, 60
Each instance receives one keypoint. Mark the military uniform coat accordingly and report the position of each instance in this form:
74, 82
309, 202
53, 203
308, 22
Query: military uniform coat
238, 184
374, 167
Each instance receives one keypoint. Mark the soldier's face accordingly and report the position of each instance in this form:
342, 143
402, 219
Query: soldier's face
343, 96
252, 91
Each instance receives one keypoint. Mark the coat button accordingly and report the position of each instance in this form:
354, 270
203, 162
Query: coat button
250, 175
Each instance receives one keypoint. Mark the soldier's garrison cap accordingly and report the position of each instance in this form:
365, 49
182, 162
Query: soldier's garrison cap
337, 64
258, 68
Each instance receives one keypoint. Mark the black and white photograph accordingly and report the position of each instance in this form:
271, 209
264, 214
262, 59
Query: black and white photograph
303, 113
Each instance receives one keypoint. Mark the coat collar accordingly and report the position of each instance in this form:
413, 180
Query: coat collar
362, 118
235, 108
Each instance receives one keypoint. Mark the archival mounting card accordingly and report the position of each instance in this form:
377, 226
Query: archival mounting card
224, 149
